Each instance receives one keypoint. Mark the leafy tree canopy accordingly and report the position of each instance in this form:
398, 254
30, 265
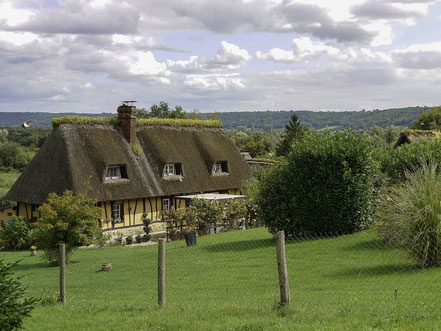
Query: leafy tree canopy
70, 219
429, 120
162, 110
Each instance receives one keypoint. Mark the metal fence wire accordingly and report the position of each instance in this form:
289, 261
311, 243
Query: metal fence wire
328, 275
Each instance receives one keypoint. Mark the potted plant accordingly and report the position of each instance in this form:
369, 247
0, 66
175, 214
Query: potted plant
33, 250
146, 228
138, 238
106, 266
129, 239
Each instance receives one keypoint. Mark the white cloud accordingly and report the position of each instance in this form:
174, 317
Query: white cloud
13, 16
304, 50
228, 57
58, 97
214, 81
419, 56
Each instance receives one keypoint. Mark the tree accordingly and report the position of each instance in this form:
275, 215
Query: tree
12, 306
162, 111
195, 114
15, 234
3, 136
293, 131
69, 219
328, 184
429, 120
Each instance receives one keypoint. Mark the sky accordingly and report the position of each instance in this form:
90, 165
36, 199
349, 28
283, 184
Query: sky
219, 55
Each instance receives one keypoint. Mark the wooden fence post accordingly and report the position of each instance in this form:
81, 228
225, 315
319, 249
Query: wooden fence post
283, 271
161, 272
62, 262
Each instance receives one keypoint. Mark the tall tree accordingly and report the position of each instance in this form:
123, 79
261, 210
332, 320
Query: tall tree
293, 131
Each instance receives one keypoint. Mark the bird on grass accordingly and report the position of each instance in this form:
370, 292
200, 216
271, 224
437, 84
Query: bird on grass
26, 124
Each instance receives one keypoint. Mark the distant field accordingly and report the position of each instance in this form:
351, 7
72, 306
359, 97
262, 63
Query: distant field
229, 282
7, 179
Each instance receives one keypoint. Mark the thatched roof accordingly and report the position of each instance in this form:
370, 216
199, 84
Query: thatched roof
413, 136
75, 157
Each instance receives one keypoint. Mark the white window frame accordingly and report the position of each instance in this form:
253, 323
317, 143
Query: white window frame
217, 167
169, 169
113, 172
165, 205
116, 212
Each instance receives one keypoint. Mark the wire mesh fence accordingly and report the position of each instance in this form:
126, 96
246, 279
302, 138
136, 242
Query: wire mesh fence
328, 275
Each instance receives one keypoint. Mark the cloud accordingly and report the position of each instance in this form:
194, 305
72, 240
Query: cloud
419, 56
228, 57
381, 10
213, 82
82, 17
304, 50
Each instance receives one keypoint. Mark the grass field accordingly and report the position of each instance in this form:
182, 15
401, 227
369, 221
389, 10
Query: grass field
7, 179
229, 282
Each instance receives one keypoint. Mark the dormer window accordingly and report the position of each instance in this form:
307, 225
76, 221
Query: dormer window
115, 172
172, 170
220, 168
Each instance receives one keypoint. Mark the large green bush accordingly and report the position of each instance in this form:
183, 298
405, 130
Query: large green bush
13, 308
16, 234
69, 219
327, 185
429, 120
395, 162
410, 215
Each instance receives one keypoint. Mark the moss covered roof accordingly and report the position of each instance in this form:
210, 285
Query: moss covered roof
411, 136
76, 156
178, 122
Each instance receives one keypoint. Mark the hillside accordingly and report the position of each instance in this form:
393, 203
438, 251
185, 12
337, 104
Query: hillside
404, 117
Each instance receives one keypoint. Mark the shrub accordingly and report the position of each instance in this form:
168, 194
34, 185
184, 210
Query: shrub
410, 215
395, 162
70, 219
16, 234
13, 308
326, 185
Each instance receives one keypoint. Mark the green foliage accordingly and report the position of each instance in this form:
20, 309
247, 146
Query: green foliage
429, 120
410, 215
294, 131
83, 120
178, 122
162, 110
258, 146
16, 234
70, 219
395, 162
326, 185
13, 157
136, 149
13, 308
205, 213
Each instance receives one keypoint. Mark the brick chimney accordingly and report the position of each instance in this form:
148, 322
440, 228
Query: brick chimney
127, 116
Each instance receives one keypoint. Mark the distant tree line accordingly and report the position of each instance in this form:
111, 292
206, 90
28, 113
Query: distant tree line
265, 120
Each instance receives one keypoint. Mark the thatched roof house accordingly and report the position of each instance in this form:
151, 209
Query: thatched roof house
126, 160
413, 136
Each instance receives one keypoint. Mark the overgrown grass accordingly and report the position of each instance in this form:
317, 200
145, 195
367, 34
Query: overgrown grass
179, 122
57, 121
141, 122
229, 282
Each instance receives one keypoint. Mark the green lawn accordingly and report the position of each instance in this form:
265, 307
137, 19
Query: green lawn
7, 179
229, 282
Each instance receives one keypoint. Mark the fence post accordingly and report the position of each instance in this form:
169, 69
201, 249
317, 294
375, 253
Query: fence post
161, 272
283, 271
62, 262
